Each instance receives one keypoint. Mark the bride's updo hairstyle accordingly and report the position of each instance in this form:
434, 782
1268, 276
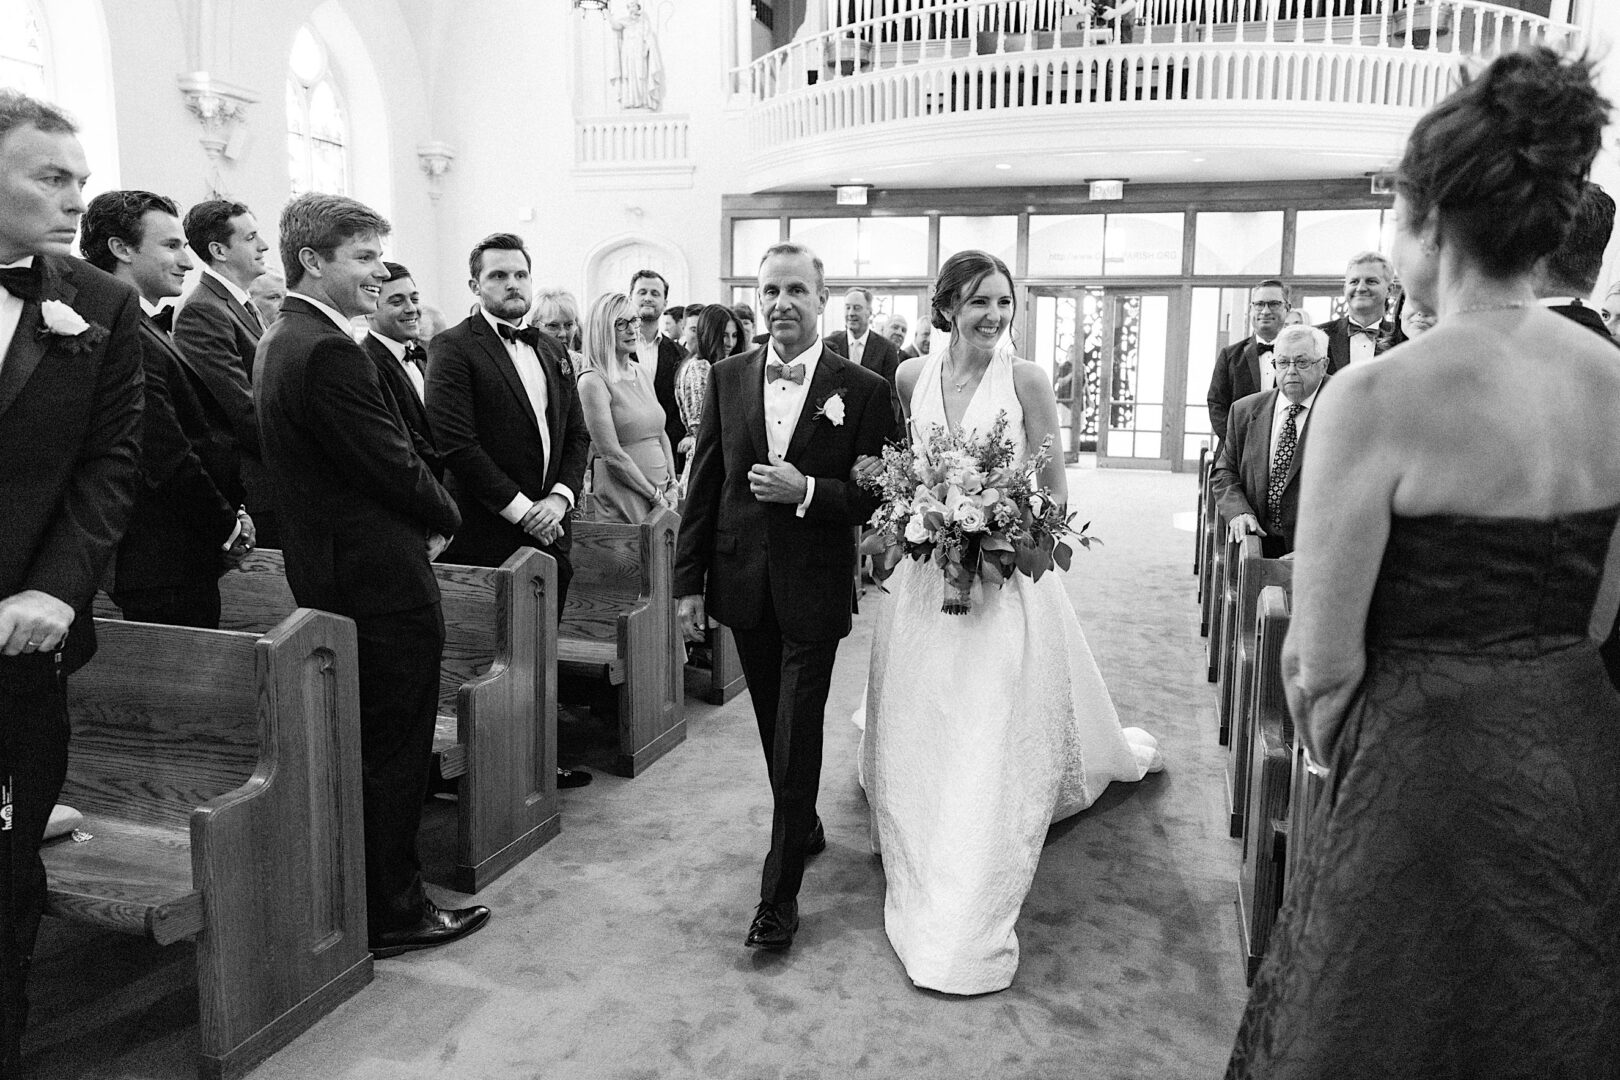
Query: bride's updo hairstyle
959, 277
1502, 160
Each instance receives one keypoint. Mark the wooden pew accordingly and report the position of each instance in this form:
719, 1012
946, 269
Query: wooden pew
1254, 574
1260, 882
722, 679
1307, 785
1198, 516
219, 777
618, 628
1223, 581
497, 725
1211, 530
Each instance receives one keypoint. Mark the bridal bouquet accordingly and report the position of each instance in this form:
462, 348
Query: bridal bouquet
969, 507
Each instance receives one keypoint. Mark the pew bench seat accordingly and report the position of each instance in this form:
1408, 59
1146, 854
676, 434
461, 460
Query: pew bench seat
128, 877
592, 659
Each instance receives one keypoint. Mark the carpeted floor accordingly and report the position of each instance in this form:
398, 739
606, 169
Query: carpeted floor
616, 951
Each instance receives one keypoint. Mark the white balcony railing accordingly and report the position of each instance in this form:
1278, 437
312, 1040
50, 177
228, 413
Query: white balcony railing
632, 140
886, 37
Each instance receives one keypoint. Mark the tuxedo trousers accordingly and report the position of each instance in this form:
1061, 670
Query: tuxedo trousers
788, 683
33, 764
399, 656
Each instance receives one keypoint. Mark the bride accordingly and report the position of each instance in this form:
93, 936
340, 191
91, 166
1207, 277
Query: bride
981, 729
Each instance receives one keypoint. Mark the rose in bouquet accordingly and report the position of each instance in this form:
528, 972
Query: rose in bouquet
970, 507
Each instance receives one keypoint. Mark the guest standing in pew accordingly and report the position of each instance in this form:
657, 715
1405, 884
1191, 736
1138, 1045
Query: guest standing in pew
267, 292
858, 343
1243, 367
187, 527
70, 429
634, 468
509, 425
1354, 335
1458, 913
768, 546
658, 353
363, 518
393, 341
719, 335
1567, 276
1256, 476
218, 329
555, 313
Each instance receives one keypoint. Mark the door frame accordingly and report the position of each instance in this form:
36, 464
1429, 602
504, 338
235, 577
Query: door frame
1172, 417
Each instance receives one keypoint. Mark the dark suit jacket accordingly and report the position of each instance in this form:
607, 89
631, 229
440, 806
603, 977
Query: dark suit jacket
1236, 375
1338, 332
1242, 473
670, 358
213, 332
356, 505
182, 516
70, 431
412, 408
880, 355
1587, 317
489, 437
740, 551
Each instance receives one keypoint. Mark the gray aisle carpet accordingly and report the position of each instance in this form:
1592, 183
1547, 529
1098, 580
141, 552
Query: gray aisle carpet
616, 951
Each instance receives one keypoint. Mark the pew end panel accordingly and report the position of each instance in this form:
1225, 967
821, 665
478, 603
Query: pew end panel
498, 680
1221, 631
1307, 787
620, 626
1255, 573
723, 679
1260, 883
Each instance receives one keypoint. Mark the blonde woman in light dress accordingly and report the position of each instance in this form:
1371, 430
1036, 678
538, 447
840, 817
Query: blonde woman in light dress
634, 470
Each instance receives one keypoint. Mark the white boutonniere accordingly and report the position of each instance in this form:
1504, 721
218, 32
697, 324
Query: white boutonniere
70, 329
832, 409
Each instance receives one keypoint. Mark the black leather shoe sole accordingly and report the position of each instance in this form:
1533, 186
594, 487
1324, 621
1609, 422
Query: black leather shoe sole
572, 778
410, 941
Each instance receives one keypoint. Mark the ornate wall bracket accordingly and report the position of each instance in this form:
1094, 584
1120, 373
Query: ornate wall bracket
221, 108
435, 159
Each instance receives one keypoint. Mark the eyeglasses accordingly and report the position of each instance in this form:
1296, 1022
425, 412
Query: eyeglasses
624, 324
1297, 363
1269, 305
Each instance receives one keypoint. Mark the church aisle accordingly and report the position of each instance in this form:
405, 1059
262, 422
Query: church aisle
616, 951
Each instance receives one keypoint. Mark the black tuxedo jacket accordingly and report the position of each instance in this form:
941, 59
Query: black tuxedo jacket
1338, 332
738, 550
183, 513
412, 408
355, 503
670, 358
214, 333
70, 431
1586, 317
1237, 375
880, 355
489, 436
1242, 473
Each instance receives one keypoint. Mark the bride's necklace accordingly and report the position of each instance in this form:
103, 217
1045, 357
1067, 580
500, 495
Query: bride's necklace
961, 386
1511, 305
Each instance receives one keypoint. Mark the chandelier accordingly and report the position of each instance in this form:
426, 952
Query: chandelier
591, 5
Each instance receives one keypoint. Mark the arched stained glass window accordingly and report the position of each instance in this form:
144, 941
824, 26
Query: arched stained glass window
22, 48
317, 126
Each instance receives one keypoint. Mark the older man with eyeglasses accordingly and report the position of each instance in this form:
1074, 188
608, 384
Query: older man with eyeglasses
1256, 477
1241, 368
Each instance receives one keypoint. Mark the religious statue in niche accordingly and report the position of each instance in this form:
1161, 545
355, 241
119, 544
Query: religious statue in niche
639, 65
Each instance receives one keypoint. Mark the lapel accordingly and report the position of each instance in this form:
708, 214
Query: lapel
28, 347
753, 398
238, 313
828, 378
1260, 436
399, 383
496, 351
1251, 357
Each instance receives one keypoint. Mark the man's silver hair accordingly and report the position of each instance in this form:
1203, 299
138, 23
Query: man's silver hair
1295, 337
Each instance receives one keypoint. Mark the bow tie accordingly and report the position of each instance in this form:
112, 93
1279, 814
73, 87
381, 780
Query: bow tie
163, 319
529, 335
415, 354
793, 373
1263, 347
1371, 331
23, 282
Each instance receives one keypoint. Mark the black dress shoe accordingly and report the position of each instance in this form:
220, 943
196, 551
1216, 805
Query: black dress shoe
437, 926
573, 778
774, 925
817, 842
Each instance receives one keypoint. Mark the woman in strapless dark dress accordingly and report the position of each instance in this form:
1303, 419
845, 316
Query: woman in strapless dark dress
1458, 912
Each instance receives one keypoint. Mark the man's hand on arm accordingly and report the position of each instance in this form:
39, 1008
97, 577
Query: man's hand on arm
33, 622
436, 543
1244, 525
690, 617
777, 484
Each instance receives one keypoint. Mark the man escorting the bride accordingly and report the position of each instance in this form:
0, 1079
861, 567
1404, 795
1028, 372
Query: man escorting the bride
981, 728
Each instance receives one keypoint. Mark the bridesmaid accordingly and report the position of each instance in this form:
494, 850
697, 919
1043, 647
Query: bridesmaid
634, 471
719, 335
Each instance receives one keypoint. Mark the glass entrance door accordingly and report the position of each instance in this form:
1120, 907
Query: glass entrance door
1138, 429
1068, 339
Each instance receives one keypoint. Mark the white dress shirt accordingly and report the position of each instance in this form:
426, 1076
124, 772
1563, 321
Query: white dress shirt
412, 372
1279, 416
239, 294
533, 376
1268, 374
647, 352
784, 402
1362, 347
857, 347
11, 309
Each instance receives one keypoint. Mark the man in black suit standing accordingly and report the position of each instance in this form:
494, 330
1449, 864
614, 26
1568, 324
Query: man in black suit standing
1355, 335
395, 346
874, 352
1256, 477
1244, 367
186, 528
658, 353
1565, 278
218, 328
767, 545
362, 520
70, 427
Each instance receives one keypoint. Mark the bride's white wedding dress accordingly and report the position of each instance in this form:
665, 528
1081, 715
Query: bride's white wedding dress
980, 731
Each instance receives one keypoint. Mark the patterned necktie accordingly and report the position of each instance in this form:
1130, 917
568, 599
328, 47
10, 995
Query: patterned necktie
21, 282
793, 373
253, 316
1281, 462
529, 335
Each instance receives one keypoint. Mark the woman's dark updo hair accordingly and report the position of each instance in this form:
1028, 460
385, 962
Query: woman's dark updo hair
960, 275
711, 333
1502, 161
